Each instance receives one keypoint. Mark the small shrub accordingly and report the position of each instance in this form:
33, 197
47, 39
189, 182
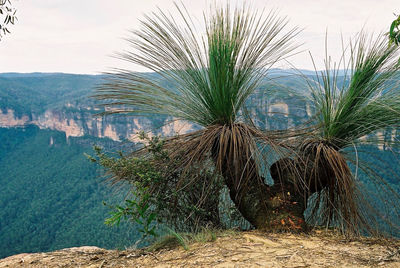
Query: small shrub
161, 193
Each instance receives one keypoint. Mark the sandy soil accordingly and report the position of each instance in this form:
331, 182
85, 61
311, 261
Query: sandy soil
247, 249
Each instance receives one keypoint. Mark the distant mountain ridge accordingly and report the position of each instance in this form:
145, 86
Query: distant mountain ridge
62, 102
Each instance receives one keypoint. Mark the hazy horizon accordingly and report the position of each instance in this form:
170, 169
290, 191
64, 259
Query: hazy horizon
79, 37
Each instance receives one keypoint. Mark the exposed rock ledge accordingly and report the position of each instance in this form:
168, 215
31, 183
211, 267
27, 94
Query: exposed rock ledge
248, 249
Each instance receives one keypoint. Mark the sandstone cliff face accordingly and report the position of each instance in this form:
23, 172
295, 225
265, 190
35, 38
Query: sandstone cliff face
76, 120
80, 122
61, 102
8, 119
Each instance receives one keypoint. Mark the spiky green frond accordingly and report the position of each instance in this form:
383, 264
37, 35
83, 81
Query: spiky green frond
209, 76
362, 98
352, 104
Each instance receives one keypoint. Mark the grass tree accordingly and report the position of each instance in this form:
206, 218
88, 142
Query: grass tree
210, 73
353, 101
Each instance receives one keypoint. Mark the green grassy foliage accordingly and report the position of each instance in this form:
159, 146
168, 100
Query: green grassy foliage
210, 75
159, 192
173, 239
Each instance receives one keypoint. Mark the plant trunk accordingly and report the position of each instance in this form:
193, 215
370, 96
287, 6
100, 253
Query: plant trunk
276, 208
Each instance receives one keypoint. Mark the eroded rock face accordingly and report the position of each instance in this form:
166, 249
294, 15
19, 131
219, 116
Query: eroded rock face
9, 119
84, 122
56, 121
81, 119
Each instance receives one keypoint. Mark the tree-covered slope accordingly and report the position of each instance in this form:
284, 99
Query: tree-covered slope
36, 92
51, 195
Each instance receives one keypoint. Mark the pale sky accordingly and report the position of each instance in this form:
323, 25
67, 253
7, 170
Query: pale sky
79, 36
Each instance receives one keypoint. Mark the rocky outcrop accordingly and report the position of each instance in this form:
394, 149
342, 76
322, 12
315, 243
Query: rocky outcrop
56, 121
9, 119
248, 249
79, 119
80, 122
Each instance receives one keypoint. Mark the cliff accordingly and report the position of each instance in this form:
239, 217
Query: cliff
62, 102
84, 122
247, 249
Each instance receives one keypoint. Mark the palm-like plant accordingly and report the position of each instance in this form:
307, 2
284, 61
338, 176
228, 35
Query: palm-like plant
209, 79
351, 105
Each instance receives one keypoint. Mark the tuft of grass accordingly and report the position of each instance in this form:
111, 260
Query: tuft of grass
169, 241
206, 235
173, 239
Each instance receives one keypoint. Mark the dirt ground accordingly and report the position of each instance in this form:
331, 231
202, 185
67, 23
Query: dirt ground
246, 249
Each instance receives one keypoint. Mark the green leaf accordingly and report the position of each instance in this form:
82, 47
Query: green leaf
151, 218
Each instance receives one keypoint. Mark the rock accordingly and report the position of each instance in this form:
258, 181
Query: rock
248, 249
